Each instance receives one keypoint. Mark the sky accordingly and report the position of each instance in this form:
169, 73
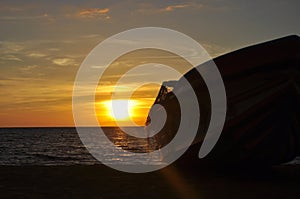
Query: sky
43, 43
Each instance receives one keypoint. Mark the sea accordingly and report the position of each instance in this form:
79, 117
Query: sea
59, 146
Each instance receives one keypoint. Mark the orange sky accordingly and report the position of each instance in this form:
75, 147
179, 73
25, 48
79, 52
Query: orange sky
43, 43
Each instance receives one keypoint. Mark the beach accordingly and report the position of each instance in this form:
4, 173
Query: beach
52, 163
99, 181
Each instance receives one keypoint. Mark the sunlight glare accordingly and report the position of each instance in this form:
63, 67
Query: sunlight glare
120, 109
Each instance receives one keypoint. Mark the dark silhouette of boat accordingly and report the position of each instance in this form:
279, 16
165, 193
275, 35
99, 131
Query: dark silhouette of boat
262, 126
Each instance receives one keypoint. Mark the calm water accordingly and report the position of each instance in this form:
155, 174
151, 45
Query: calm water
58, 146
53, 146
42, 146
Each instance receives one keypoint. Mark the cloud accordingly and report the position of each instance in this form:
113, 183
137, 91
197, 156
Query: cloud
64, 61
215, 50
10, 58
11, 9
171, 8
36, 55
53, 49
11, 47
94, 13
150, 9
91, 36
23, 18
28, 68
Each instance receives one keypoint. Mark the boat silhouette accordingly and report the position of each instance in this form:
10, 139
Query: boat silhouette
262, 125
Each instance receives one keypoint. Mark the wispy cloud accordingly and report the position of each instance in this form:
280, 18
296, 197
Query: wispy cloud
91, 36
174, 7
28, 68
10, 58
22, 18
11, 47
64, 61
36, 55
150, 9
11, 8
171, 8
93, 13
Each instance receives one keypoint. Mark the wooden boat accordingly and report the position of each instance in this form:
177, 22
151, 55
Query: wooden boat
262, 126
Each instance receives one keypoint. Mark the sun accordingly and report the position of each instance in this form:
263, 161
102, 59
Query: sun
124, 112
120, 110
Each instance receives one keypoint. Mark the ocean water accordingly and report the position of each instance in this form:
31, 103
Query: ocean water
42, 146
56, 146
62, 146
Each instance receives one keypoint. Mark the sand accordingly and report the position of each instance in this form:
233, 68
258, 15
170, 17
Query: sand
102, 182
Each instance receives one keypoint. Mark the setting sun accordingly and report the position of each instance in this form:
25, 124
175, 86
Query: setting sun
120, 110
124, 112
